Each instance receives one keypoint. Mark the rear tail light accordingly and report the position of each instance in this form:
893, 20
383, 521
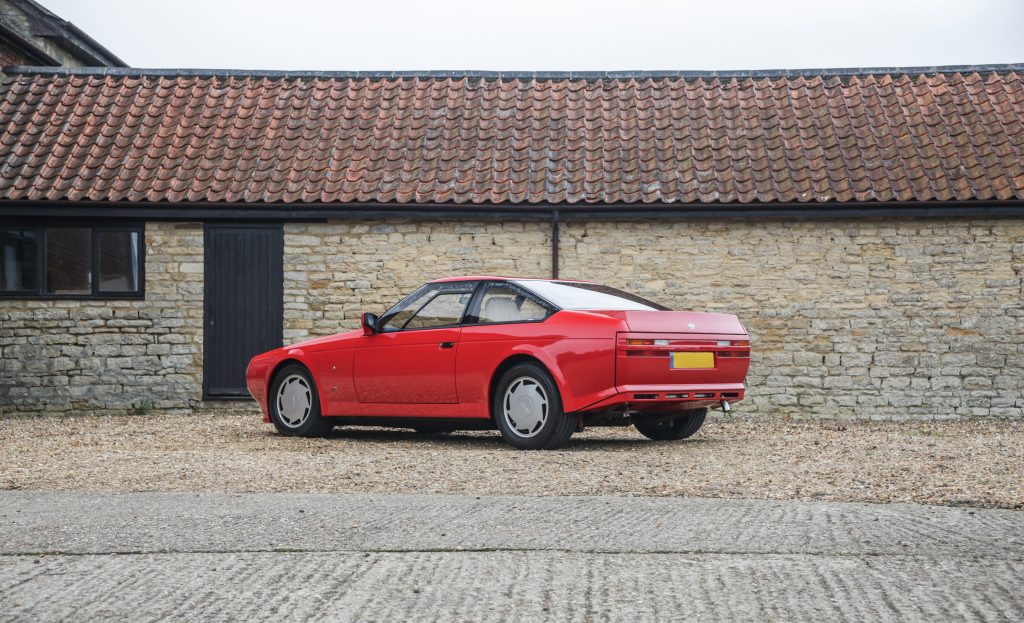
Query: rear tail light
662, 347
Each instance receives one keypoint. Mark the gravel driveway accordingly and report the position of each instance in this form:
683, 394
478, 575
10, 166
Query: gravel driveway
975, 463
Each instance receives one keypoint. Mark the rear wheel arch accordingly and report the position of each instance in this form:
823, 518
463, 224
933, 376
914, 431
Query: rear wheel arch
506, 365
526, 407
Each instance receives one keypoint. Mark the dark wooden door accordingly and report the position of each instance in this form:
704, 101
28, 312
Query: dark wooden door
243, 303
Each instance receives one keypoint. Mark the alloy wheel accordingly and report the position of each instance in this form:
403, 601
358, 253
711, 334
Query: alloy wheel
294, 401
525, 406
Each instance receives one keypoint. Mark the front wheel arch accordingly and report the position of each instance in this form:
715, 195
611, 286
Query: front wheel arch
312, 422
288, 361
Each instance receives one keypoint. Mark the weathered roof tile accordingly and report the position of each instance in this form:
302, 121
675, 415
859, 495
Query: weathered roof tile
420, 139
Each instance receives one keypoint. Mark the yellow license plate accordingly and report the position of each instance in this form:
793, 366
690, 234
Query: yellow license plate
693, 361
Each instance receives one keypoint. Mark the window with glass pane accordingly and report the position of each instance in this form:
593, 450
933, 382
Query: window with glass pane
18, 258
103, 261
396, 317
68, 260
503, 304
441, 311
118, 261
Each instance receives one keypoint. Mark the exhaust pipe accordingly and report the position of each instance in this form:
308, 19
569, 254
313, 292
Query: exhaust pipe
725, 406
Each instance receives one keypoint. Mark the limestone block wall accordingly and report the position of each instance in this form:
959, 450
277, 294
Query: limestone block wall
99, 356
883, 319
849, 319
334, 271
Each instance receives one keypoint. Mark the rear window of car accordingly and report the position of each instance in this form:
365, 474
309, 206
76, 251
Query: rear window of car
588, 296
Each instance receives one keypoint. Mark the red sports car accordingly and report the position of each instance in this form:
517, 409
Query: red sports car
538, 359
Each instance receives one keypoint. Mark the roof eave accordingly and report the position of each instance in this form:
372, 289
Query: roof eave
24, 209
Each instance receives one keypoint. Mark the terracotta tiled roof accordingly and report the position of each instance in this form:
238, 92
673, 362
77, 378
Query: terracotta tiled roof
678, 139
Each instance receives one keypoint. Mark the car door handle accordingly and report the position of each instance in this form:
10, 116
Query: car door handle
447, 344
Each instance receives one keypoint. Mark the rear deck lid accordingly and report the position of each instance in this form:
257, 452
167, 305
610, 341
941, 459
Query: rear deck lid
682, 322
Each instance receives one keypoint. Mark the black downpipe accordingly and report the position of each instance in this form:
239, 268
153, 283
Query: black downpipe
554, 244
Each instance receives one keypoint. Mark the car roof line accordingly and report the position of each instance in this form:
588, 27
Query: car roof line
504, 278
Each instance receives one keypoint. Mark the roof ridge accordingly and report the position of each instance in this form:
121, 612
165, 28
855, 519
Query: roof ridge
512, 75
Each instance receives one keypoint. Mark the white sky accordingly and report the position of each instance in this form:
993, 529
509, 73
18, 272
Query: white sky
551, 35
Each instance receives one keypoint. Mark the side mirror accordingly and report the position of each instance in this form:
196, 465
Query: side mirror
370, 323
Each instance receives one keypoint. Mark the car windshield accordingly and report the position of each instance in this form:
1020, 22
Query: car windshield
592, 296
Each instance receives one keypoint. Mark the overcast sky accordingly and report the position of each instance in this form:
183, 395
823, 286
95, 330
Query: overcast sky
551, 34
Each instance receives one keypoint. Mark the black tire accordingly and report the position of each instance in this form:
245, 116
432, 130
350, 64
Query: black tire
540, 404
688, 423
302, 388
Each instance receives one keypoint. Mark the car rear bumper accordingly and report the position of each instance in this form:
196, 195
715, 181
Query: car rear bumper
656, 398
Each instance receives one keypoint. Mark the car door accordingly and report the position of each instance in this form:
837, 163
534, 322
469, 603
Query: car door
412, 359
503, 319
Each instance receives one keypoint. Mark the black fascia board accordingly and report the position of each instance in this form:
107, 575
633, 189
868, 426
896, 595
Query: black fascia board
204, 211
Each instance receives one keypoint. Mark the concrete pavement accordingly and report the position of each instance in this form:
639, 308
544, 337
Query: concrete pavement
153, 556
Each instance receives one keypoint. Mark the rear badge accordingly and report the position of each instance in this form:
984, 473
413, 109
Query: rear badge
692, 325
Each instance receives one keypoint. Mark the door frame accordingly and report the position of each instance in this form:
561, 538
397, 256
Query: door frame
277, 289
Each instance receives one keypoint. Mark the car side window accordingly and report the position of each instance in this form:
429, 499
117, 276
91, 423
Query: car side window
501, 303
398, 316
443, 310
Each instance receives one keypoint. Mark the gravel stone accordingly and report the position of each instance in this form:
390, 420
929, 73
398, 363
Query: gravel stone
956, 463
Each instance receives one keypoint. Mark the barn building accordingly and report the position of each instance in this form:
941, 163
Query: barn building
157, 228
32, 35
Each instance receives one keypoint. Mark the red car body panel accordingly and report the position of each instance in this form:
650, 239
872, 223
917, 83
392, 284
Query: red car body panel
407, 367
449, 372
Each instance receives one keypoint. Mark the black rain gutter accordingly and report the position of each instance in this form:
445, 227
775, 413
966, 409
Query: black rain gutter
1013, 208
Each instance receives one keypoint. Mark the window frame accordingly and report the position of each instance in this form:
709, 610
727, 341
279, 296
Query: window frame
473, 309
433, 298
472, 291
95, 229
629, 296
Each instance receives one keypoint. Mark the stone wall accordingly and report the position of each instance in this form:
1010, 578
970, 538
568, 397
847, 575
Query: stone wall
112, 356
335, 271
849, 319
